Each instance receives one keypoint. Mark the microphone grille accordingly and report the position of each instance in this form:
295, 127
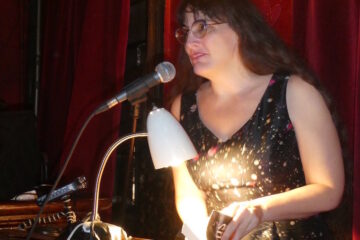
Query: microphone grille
166, 70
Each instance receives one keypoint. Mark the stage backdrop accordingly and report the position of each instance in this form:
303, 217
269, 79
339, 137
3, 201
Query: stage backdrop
327, 34
13, 53
83, 61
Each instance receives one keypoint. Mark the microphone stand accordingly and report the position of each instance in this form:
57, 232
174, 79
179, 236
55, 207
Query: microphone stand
165, 72
37, 218
97, 111
131, 166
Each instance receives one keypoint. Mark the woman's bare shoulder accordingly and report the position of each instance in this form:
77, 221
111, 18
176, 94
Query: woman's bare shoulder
304, 100
299, 87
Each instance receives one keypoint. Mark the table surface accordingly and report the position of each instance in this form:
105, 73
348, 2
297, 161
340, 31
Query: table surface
13, 212
20, 235
41, 233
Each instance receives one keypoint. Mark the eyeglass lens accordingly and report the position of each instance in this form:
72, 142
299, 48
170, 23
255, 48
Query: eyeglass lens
198, 28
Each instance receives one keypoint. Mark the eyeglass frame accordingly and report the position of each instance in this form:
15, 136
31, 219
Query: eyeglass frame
198, 34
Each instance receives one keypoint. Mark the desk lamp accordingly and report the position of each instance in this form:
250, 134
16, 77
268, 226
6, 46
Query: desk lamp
169, 146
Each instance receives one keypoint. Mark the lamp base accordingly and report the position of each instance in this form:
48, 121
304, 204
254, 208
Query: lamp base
103, 231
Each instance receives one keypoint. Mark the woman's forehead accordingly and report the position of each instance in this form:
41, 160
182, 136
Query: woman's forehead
191, 16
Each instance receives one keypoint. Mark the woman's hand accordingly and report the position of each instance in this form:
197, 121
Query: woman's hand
245, 218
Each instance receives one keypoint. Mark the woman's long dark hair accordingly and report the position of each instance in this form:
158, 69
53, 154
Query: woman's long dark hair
261, 50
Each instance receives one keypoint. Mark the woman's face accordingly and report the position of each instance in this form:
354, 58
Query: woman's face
216, 51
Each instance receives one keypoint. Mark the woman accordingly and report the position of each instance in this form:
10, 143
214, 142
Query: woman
269, 153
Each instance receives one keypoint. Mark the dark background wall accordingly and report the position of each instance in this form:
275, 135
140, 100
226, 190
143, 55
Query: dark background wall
144, 201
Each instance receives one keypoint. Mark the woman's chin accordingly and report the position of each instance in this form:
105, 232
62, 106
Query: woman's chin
201, 70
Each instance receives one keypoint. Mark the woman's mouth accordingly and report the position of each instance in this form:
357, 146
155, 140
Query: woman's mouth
195, 57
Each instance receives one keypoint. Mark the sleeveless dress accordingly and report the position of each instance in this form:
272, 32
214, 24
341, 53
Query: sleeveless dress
262, 158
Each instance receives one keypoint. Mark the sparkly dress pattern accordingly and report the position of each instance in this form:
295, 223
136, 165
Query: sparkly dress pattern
260, 159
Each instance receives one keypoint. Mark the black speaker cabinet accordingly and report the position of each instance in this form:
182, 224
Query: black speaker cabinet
20, 158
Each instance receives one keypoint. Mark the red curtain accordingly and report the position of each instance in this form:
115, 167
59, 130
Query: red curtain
278, 13
327, 34
356, 212
13, 52
83, 63
171, 45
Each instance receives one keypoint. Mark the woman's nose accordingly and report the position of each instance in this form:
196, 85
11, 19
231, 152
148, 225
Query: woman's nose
191, 40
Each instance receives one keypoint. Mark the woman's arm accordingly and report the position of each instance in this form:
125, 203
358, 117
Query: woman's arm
322, 162
190, 202
189, 199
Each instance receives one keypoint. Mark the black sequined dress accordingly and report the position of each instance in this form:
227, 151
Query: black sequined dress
260, 159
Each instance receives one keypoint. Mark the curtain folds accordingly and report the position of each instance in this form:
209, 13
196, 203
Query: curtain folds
83, 63
278, 14
330, 44
14, 27
171, 45
356, 212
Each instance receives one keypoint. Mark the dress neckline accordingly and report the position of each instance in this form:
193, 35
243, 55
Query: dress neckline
241, 127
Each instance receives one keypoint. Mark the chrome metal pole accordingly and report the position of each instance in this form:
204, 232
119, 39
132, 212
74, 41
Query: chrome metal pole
94, 214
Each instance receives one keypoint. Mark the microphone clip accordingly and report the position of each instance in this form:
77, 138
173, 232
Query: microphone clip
138, 99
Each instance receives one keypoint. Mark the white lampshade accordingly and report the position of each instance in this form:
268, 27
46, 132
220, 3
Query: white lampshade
168, 142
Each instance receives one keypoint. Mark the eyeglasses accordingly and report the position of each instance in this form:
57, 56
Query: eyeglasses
199, 29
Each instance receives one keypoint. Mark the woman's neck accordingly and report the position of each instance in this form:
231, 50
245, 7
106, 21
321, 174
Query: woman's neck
234, 81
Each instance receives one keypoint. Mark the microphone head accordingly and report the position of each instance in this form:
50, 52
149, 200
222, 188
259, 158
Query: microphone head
166, 71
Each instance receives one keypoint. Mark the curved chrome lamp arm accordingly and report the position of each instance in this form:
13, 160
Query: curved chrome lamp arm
168, 143
94, 214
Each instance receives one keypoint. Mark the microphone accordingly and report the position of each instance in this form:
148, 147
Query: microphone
77, 184
164, 72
